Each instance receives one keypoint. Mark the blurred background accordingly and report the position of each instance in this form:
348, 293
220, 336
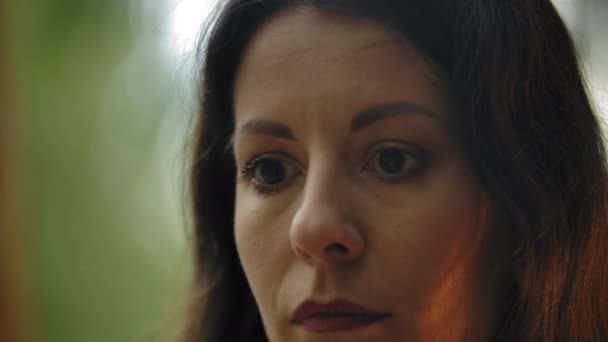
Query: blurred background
97, 101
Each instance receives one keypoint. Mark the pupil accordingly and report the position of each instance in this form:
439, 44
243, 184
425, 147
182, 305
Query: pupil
272, 172
391, 160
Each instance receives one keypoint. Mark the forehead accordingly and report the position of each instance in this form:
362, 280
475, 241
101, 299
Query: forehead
293, 31
304, 59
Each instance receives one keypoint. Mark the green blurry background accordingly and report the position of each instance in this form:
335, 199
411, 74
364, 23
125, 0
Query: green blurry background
105, 99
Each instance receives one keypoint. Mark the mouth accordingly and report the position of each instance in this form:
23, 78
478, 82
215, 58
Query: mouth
338, 315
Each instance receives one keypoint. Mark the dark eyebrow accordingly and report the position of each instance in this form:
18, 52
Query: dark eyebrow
265, 127
371, 115
363, 119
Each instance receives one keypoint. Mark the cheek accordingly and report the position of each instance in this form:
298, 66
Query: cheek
261, 241
250, 240
437, 233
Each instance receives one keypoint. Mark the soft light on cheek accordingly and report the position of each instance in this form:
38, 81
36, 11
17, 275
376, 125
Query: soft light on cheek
249, 238
263, 246
260, 234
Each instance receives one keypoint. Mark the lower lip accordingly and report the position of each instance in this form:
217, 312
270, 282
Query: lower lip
339, 322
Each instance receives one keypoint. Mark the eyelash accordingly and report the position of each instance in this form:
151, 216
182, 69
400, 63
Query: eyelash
248, 174
249, 168
418, 154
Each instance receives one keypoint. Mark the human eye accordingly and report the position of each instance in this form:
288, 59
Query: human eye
268, 173
395, 161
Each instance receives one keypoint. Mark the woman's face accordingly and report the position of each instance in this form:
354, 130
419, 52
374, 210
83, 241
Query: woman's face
356, 218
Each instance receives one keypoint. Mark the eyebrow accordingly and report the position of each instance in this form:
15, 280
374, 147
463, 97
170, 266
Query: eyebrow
374, 114
265, 127
362, 120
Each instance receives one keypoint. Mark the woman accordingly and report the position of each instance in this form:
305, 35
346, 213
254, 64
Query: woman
397, 171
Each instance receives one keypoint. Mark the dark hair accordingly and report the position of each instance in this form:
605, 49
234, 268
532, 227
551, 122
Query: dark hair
523, 121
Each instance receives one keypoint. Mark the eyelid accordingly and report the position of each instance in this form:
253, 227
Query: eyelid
248, 170
417, 153
274, 155
374, 148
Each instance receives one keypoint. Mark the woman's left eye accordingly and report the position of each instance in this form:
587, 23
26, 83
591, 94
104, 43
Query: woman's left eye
395, 161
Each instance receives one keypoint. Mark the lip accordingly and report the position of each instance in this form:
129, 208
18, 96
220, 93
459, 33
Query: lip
337, 315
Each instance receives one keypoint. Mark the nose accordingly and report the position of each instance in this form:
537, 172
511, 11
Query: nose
322, 231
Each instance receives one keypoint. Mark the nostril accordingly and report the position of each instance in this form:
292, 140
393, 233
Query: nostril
324, 235
337, 247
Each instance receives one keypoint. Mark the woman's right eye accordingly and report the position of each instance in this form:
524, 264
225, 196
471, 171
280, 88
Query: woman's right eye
267, 173
270, 172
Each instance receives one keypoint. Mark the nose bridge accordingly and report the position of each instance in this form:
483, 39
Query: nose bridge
325, 192
323, 182
322, 230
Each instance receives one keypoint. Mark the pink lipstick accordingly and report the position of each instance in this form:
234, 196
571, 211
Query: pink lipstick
335, 316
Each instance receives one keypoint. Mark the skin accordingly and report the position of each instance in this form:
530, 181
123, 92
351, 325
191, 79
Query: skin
337, 226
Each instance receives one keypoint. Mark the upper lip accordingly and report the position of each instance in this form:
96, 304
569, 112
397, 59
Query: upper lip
310, 309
